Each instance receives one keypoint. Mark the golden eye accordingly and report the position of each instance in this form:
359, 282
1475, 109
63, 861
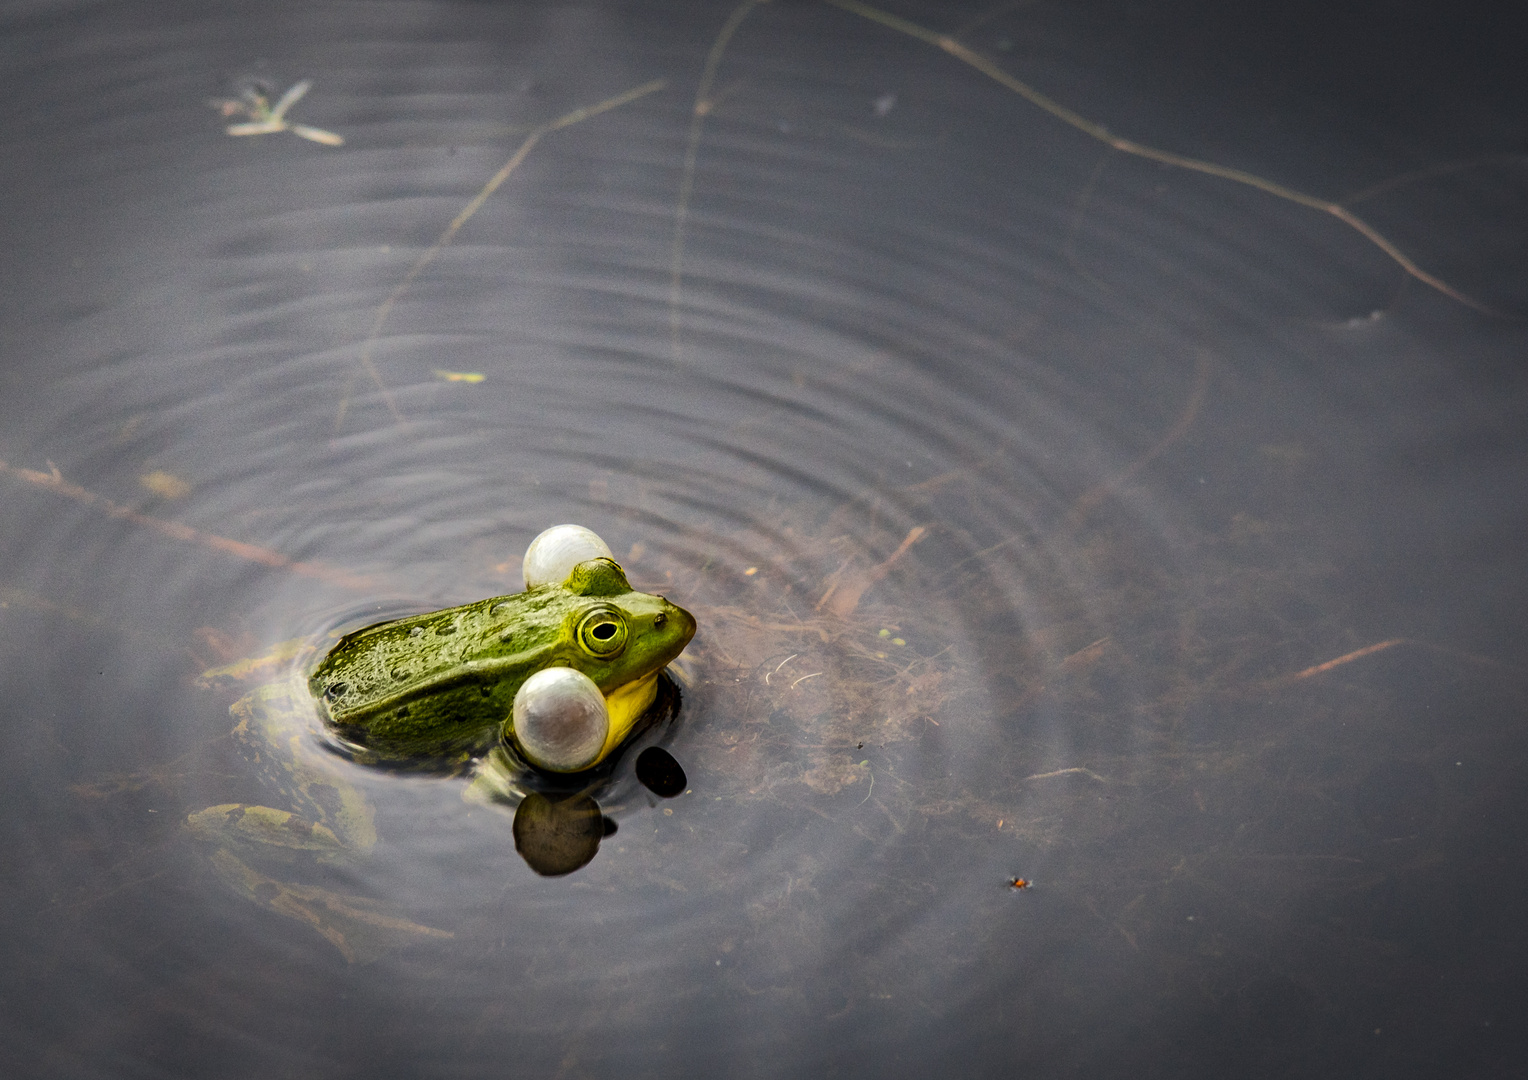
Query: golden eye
602, 633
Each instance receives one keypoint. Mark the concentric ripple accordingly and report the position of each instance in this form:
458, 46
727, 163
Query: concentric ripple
1050, 516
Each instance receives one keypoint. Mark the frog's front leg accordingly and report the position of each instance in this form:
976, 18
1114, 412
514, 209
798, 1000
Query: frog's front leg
329, 821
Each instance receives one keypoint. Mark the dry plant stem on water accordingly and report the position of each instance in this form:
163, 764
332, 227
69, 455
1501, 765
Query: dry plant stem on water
428, 256
1151, 153
704, 103
268, 119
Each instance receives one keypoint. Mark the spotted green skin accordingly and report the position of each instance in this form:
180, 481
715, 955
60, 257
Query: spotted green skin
444, 683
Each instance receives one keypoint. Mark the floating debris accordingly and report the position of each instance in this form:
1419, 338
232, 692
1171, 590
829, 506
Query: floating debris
267, 119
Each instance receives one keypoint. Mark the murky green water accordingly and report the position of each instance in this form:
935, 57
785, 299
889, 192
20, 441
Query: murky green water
1050, 513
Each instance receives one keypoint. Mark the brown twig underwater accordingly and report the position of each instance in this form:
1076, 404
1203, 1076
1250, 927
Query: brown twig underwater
55, 482
845, 590
1347, 658
1390, 643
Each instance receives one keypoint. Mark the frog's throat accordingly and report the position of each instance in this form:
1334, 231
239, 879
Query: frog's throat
626, 705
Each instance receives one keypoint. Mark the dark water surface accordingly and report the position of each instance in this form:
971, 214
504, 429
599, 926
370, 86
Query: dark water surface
1036, 501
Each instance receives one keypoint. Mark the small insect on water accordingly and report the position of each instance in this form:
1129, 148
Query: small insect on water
1019, 883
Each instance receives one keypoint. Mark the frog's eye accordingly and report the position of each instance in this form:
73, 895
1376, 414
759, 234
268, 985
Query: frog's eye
602, 632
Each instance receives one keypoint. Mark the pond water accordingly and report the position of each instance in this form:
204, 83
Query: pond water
1054, 513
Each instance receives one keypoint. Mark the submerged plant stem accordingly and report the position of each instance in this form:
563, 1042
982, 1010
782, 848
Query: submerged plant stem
55, 482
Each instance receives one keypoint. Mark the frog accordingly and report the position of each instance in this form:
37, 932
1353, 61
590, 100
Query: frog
505, 678
447, 682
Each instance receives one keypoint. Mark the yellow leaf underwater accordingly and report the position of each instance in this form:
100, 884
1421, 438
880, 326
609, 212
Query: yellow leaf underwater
165, 485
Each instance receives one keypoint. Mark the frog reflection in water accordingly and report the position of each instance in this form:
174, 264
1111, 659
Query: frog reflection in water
558, 676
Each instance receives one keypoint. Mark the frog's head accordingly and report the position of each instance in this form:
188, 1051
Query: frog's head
613, 642
620, 635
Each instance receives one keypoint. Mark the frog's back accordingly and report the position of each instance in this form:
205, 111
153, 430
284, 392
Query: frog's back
439, 682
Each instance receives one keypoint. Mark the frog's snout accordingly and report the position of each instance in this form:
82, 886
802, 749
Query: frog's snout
678, 622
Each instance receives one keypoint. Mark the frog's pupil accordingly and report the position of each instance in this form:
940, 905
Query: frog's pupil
604, 631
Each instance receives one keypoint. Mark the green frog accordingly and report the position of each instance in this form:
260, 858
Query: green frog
563, 673
452, 681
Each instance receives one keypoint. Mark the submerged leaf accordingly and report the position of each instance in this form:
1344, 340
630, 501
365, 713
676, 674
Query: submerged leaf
165, 485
